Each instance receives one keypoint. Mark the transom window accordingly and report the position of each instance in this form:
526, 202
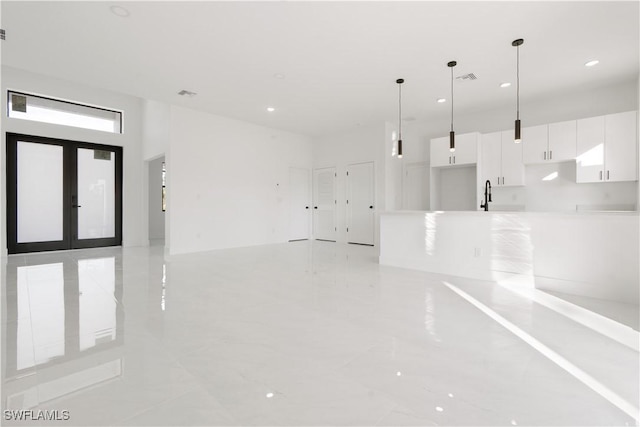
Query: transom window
48, 110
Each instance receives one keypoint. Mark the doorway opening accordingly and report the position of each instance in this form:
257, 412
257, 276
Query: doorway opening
157, 201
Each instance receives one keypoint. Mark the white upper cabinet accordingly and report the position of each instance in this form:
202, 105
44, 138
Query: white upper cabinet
555, 142
590, 150
620, 148
440, 154
535, 143
512, 165
607, 148
466, 152
502, 159
562, 141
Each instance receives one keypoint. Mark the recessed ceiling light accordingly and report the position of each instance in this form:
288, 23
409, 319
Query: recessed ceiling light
441, 100
271, 109
505, 84
279, 76
120, 11
591, 63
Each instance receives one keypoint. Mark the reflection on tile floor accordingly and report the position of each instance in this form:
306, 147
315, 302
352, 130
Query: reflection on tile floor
304, 333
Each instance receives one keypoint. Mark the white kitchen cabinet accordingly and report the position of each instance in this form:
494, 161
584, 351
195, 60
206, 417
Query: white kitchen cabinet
555, 142
466, 152
590, 149
620, 147
502, 160
607, 148
562, 141
535, 143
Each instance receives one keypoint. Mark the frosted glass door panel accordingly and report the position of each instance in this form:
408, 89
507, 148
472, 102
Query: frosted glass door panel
40, 192
96, 194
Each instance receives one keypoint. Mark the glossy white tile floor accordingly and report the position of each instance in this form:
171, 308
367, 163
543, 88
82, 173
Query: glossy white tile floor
305, 333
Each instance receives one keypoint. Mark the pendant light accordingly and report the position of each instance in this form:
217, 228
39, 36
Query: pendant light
400, 81
517, 43
452, 134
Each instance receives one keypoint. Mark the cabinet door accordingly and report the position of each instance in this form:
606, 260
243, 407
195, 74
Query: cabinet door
590, 149
562, 141
512, 166
620, 148
491, 149
466, 149
535, 142
440, 152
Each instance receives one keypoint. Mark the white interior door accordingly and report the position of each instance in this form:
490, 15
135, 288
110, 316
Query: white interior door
416, 185
299, 204
360, 204
324, 204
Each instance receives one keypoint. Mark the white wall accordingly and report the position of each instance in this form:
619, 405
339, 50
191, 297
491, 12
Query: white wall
134, 223
156, 215
155, 129
362, 145
571, 105
227, 181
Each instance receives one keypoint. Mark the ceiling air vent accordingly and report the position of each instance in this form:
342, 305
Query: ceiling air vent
186, 93
469, 76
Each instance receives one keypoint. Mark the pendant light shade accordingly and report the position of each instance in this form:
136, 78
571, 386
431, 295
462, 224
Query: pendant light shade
400, 81
517, 43
452, 134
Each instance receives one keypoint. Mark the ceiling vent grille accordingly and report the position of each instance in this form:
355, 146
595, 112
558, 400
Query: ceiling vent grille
186, 93
469, 76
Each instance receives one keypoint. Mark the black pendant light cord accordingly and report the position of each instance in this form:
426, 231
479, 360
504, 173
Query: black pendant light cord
518, 82
400, 109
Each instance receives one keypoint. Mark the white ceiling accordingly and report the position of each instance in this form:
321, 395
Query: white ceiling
340, 59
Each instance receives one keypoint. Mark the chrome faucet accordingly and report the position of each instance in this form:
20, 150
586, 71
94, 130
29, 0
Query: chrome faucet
487, 196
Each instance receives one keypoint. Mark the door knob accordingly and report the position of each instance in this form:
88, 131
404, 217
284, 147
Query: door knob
76, 206
315, 207
371, 207
306, 207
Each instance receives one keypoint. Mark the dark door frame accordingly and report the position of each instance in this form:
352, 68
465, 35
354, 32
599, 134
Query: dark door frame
70, 193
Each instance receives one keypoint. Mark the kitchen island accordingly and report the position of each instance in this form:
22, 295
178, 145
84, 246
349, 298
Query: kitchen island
592, 254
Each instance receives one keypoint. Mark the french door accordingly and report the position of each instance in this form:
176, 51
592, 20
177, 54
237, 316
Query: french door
62, 194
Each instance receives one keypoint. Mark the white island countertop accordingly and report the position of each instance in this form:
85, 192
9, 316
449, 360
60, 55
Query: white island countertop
589, 253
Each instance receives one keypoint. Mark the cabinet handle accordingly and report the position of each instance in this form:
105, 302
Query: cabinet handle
600, 175
545, 155
454, 160
498, 180
503, 180
550, 154
607, 175
449, 159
